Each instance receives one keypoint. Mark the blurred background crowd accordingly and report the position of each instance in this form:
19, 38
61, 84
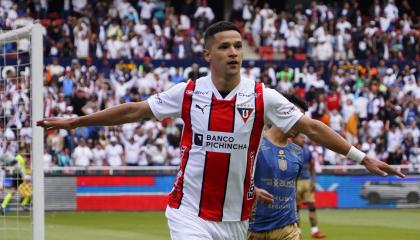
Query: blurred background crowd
356, 68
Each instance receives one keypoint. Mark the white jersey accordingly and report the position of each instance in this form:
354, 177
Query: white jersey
219, 143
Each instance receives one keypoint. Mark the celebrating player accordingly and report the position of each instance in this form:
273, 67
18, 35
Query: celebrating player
223, 116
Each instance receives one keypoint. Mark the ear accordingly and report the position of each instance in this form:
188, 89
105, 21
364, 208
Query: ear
207, 55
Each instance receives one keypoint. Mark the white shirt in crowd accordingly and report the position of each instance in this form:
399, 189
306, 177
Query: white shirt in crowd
343, 26
113, 47
336, 122
348, 110
132, 150
206, 10
360, 104
47, 161
98, 156
146, 10
157, 152
82, 47
82, 156
391, 11
395, 139
375, 128
113, 154
293, 37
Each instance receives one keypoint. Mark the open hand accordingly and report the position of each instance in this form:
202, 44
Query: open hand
56, 123
380, 168
263, 196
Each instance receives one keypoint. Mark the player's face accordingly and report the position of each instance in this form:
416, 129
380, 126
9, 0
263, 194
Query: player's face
299, 139
225, 53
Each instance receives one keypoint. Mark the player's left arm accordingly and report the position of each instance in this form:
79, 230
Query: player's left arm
325, 136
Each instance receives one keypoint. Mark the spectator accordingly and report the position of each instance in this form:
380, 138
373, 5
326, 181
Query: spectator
147, 8
98, 155
114, 153
336, 121
157, 153
177, 77
375, 127
63, 158
82, 154
204, 11
132, 150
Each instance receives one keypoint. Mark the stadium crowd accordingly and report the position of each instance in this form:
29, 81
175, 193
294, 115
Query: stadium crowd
122, 29
374, 107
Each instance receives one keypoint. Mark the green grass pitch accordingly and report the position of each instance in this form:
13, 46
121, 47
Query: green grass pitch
338, 224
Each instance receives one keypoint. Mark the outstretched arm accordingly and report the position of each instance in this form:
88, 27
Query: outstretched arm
325, 136
124, 113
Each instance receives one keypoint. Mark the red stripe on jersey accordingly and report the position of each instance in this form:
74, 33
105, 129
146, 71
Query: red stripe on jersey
222, 115
175, 197
258, 125
216, 166
213, 190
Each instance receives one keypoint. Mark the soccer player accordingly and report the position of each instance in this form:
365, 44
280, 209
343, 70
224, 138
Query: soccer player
18, 178
223, 116
306, 186
278, 166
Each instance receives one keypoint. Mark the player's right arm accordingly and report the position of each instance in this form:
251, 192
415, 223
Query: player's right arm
124, 113
161, 105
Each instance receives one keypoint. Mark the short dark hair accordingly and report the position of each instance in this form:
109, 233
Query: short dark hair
218, 27
296, 101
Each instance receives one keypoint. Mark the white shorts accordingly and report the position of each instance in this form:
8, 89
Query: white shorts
184, 225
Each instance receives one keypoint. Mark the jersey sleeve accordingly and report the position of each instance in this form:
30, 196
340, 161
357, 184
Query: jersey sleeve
168, 103
279, 111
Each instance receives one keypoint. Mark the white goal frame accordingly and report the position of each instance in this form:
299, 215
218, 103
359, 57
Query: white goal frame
34, 33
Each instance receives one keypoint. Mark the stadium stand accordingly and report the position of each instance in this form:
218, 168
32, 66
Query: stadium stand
358, 73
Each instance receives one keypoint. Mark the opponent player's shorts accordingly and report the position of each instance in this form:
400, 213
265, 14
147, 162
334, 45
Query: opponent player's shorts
184, 225
289, 232
304, 191
25, 189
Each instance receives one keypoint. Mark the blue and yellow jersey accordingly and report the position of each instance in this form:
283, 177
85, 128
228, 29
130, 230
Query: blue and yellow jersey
276, 171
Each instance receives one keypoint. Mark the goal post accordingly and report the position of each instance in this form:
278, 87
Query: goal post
34, 33
37, 62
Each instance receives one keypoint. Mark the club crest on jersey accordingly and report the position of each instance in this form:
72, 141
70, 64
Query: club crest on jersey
282, 160
245, 113
282, 164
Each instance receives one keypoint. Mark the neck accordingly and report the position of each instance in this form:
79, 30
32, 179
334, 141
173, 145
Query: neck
225, 83
276, 137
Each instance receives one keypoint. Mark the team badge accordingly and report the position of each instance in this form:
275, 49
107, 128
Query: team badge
282, 164
245, 113
282, 160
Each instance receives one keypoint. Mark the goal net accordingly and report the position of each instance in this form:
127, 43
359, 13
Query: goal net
21, 143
